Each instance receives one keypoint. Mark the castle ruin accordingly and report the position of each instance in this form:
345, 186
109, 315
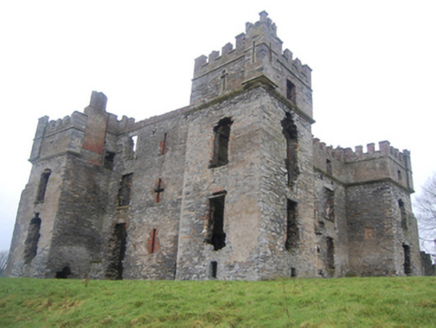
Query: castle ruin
233, 186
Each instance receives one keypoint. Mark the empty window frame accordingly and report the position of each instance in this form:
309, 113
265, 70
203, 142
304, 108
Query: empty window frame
291, 92
290, 132
31, 243
125, 190
117, 250
213, 269
42, 187
220, 155
330, 253
292, 230
403, 214
407, 262
329, 204
108, 162
215, 234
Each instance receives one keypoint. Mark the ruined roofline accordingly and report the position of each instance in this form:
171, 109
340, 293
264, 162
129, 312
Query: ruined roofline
348, 155
205, 64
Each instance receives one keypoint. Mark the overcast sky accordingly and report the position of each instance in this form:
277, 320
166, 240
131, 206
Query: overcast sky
373, 62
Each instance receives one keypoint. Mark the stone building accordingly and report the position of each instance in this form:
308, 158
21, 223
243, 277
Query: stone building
233, 186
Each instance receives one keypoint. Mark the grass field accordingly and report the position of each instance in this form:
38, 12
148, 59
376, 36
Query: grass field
346, 302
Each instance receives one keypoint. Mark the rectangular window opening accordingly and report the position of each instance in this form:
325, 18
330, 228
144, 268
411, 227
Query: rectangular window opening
213, 269
117, 250
291, 91
330, 253
108, 162
292, 230
42, 187
215, 234
329, 204
125, 190
407, 262
220, 155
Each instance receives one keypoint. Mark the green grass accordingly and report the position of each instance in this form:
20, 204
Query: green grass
346, 302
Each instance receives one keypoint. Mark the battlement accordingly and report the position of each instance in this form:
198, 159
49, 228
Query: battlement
257, 52
348, 155
264, 32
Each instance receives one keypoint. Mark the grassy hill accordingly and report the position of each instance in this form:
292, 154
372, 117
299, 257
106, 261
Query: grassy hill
346, 302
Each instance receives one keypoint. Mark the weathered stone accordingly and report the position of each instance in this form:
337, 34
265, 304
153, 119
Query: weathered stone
232, 186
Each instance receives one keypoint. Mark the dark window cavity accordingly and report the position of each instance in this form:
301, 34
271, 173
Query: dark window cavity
117, 250
329, 205
330, 253
407, 263
291, 136
213, 269
291, 93
109, 160
43, 181
328, 166
292, 231
403, 213
215, 234
125, 190
221, 143
31, 243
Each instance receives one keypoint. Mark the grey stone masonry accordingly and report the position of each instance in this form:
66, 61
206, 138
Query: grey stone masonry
231, 187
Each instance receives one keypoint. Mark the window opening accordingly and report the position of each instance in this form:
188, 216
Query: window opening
109, 160
31, 243
290, 132
399, 175
117, 250
125, 190
403, 214
64, 273
293, 272
163, 145
253, 52
329, 205
43, 181
330, 253
224, 80
152, 246
291, 92
159, 191
215, 234
213, 269
407, 263
292, 231
134, 143
329, 166
221, 143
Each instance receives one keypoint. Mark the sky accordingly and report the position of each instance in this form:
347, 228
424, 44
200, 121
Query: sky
373, 62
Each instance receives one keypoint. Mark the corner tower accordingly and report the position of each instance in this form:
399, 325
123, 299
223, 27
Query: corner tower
249, 215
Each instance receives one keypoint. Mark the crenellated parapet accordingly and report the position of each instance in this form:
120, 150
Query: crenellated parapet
257, 52
357, 166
